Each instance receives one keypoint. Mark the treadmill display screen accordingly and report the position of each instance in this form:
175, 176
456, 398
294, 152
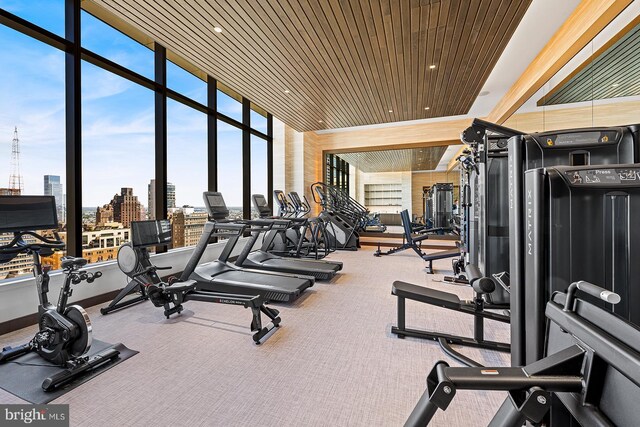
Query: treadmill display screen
150, 233
216, 206
216, 202
260, 200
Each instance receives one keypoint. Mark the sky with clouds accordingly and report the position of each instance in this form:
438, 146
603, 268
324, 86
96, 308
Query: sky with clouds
117, 117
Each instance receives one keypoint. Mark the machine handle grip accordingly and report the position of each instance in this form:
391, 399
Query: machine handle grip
591, 289
598, 292
147, 270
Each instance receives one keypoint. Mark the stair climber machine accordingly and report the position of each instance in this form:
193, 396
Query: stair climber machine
64, 334
135, 262
341, 228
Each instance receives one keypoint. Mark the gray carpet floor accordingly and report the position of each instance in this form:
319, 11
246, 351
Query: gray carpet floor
334, 361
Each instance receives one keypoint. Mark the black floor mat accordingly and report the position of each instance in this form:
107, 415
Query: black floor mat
23, 376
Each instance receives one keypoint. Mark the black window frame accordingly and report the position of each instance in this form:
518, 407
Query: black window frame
74, 55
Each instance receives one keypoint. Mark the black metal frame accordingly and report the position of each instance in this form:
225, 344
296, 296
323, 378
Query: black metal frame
75, 53
476, 308
337, 175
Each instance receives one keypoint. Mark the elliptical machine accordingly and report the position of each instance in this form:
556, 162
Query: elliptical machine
65, 333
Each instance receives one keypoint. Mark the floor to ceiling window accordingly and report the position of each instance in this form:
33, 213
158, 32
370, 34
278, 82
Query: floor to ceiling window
230, 167
32, 122
186, 172
114, 147
117, 159
259, 170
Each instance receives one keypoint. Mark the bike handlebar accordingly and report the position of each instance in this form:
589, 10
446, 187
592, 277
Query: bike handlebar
17, 244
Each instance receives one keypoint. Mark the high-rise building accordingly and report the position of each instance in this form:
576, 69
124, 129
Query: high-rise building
187, 227
53, 187
151, 197
104, 215
126, 207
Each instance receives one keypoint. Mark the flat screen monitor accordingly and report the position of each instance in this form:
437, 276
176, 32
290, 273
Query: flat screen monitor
27, 213
150, 233
216, 206
260, 200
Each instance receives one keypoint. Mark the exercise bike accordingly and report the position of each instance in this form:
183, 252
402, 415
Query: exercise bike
65, 333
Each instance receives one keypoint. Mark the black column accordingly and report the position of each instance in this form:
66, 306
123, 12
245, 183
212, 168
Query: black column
161, 133
270, 161
212, 135
73, 128
246, 159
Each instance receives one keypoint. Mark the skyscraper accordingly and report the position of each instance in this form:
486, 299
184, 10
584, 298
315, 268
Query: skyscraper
53, 187
126, 207
151, 197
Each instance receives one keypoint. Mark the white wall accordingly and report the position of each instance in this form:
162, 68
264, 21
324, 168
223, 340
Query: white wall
19, 297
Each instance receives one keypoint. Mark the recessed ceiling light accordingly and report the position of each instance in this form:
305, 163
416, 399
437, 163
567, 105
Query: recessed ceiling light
391, 111
426, 108
615, 85
287, 91
319, 121
432, 66
217, 29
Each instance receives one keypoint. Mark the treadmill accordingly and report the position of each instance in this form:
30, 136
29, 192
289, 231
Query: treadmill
263, 260
221, 276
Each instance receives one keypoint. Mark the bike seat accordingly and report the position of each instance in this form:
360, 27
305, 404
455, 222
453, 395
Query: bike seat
70, 261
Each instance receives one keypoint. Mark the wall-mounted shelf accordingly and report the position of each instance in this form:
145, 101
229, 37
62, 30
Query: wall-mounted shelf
383, 195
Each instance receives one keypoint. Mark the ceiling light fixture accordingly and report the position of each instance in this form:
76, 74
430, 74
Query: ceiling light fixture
217, 29
426, 108
319, 121
287, 91
391, 111
615, 85
432, 67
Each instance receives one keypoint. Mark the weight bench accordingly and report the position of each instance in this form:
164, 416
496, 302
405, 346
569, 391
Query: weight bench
450, 301
413, 242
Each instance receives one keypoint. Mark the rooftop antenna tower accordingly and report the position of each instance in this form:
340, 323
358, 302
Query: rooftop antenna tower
15, 180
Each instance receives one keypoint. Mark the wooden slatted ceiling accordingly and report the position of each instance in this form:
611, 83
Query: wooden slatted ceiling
414, 159
611, 72
345, 62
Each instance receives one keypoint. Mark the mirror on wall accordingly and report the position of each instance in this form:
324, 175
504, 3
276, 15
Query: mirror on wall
600, 86
391, 180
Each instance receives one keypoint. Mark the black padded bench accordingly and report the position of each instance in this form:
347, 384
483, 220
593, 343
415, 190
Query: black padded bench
450, 301
412, 241
449, 253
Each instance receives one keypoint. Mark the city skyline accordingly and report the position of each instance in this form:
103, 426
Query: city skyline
118, 119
